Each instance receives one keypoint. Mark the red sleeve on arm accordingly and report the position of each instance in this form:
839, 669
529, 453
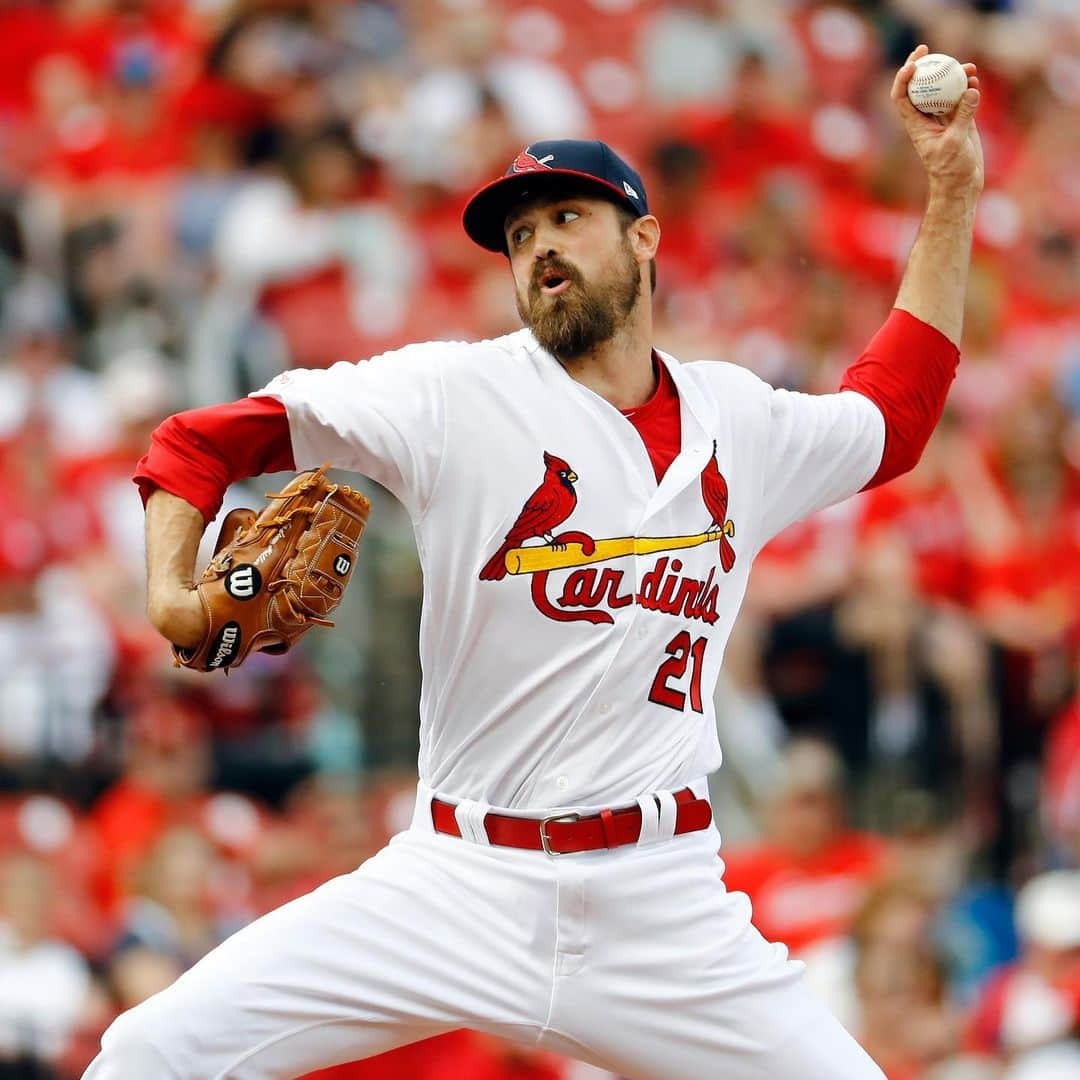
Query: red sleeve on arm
906, 372
197, 454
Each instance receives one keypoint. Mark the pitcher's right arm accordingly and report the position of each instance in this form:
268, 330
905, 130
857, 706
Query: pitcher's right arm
193, 457
383, 418
173, 531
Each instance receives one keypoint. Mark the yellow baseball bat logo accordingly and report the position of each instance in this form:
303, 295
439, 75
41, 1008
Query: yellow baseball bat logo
534, 560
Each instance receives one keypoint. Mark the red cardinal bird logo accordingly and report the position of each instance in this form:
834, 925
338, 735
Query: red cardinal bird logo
544, 511
526, 162
714, 491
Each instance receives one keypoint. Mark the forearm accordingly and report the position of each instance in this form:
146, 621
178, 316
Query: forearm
935, 280
193, 457
174, 529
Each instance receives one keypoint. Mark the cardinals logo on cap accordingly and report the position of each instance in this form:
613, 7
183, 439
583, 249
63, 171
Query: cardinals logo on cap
525, 162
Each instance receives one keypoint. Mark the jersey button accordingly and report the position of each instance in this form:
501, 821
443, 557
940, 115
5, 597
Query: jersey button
562, 782
604, 709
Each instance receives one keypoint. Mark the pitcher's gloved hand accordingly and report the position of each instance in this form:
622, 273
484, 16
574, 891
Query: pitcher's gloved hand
277, 574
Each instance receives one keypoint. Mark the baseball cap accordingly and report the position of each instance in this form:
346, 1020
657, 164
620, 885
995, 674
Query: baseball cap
540, 166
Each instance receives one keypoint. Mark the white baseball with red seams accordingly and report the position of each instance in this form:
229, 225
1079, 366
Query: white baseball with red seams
937, 85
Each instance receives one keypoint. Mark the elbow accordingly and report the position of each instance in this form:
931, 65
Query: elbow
900, 456
905, 462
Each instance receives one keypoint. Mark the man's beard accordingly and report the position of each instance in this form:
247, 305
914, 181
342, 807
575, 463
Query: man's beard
576, 321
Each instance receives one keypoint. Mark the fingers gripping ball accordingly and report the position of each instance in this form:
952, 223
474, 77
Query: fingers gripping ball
937, 85
276, 574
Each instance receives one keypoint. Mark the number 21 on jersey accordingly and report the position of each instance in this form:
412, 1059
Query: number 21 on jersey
667, 685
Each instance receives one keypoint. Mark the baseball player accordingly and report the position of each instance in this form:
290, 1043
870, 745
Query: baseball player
586, 512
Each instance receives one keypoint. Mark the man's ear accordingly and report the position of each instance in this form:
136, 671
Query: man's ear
645, 237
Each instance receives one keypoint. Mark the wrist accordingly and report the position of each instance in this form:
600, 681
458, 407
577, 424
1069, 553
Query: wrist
177, 614
955, 197
164, 599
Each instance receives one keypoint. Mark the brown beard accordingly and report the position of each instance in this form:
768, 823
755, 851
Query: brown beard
584, 316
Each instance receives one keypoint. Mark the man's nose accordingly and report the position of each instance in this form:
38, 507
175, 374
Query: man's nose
544, 244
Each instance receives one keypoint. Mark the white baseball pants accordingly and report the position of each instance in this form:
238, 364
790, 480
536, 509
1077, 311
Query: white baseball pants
636, 960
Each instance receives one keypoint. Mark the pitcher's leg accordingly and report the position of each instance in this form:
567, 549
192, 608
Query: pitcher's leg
420, 939
677, 985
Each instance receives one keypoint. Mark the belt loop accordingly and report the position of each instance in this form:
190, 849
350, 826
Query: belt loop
650, 820
423, 810
668, 810
470, 816
607, 823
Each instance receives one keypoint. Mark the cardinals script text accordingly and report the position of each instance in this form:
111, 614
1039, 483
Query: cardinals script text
663, 588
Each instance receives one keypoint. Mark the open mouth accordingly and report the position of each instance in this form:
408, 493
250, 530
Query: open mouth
552, 283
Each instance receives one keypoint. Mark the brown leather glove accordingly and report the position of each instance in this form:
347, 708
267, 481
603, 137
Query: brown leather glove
276, 574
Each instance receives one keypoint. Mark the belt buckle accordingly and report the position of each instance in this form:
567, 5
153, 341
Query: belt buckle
545, 841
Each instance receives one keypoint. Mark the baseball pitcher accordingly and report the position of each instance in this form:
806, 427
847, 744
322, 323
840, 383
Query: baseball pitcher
586, 510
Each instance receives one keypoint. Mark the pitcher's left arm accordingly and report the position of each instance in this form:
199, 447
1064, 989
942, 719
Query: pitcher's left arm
935, 280
823, 448
909, 365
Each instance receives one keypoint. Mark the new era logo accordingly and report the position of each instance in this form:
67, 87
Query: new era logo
630, 191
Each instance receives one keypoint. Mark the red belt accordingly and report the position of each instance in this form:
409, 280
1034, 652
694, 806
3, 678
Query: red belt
564, 834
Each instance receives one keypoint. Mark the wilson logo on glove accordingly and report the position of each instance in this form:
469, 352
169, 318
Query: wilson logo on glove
225, 646
243, 582
277, 574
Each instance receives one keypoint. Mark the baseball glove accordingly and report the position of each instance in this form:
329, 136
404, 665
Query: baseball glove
276, 574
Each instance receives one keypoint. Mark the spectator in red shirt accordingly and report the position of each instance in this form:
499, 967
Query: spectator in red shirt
1028, 588
163, 785
809, 875
754, 137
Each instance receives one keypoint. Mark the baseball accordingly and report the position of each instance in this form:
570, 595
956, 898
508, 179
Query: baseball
937, 85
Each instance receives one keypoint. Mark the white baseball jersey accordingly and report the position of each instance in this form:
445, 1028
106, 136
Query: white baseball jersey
575, 616
583, 675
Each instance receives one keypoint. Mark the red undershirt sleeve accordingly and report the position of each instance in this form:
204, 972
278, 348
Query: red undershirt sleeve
197, 454
906, 371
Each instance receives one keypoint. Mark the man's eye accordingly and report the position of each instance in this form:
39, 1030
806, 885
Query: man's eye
519, 236
568, 215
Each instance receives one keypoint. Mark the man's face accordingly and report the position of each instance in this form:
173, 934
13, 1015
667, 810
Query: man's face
575, 275
804, 820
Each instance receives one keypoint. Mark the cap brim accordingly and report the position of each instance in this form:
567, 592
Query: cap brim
484, 217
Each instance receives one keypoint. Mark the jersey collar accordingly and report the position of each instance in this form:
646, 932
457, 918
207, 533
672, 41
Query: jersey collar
697, 418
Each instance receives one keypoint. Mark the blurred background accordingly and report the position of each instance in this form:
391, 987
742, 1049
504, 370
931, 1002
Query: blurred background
196, 195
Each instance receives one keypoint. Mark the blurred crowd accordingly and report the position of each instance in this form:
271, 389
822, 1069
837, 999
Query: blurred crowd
195, 195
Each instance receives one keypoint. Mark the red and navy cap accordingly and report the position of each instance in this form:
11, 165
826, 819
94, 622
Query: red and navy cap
539, 167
